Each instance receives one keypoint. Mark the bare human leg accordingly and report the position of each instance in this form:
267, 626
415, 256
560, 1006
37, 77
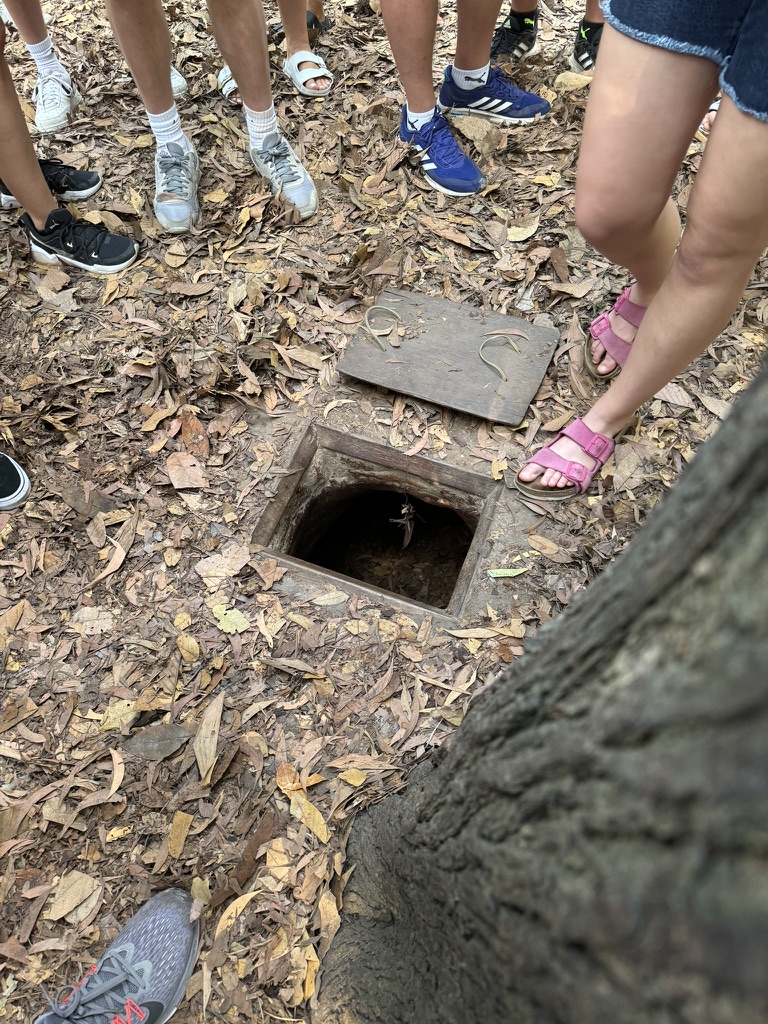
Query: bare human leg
19, 168
241, 34
293, 15
411, 31
410, 28
476, 21
142, 34
718, 251
28, 18
627, 166
632, 148
707, 277
592, 12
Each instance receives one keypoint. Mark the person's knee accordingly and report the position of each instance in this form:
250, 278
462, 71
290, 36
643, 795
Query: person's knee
605, 218
711, 248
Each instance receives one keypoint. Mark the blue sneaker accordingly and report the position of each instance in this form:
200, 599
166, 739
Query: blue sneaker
498, 100
445, 166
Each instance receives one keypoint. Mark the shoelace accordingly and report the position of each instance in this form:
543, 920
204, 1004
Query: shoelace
56, 173
441, 144
45, 95
82, 238
103, 992
280, 162
499, 85
175, 172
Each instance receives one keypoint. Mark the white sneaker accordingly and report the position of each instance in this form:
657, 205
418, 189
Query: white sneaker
285, 173
177, 174
56, 99
178, 83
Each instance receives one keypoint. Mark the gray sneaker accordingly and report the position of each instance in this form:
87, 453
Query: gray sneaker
283, 170
142, 975
177, 173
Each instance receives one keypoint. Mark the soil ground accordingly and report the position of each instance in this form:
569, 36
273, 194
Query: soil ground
170, 715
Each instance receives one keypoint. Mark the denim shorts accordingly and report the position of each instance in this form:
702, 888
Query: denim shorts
732, 33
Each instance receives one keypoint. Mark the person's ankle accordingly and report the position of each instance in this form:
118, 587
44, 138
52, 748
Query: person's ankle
39, 220
609, 424
641, 296
295, 45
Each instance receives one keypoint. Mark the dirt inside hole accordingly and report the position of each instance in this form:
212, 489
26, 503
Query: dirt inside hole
390, 540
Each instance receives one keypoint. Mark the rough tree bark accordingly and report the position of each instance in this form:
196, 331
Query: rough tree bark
592, 848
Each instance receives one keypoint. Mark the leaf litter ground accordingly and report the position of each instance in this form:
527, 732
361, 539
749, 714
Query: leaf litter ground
169, 714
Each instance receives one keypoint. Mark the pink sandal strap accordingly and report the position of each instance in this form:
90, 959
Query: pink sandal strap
616, 347
601, 329
629, 310
597, 446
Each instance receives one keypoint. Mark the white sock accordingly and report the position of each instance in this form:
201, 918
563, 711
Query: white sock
471, 79
166, 128
417, 121
260, 123
46, 60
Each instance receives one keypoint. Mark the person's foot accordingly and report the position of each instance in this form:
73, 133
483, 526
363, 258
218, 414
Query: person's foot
446, 167
624, 327
321, 82
585, 47
516, 37
177, 174
142, 976
568, 463
498, 100
14, 484
56, 99
179, 85
278, 163
65, 183
79, 243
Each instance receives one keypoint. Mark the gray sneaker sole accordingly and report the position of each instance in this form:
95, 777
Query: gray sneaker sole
177, 227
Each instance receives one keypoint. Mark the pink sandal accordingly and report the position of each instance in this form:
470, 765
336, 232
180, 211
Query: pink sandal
597, 446
600, 329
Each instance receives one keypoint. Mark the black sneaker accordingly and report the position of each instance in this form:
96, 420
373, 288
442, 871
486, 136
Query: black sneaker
516, 37
65, 182
14, 484
79, 243
585, 47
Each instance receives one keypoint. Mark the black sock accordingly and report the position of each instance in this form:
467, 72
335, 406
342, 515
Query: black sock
590, 27
523, 20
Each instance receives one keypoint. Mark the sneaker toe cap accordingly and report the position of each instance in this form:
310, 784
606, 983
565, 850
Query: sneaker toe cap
304, 197
175, 214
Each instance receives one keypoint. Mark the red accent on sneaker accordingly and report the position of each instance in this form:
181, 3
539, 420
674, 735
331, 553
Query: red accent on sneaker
133, 1014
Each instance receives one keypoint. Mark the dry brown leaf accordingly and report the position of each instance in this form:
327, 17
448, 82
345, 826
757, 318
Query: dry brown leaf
303, 809
215, 569
207, 738
184, 471
193, 434
543, 545
71, 890
180, 826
